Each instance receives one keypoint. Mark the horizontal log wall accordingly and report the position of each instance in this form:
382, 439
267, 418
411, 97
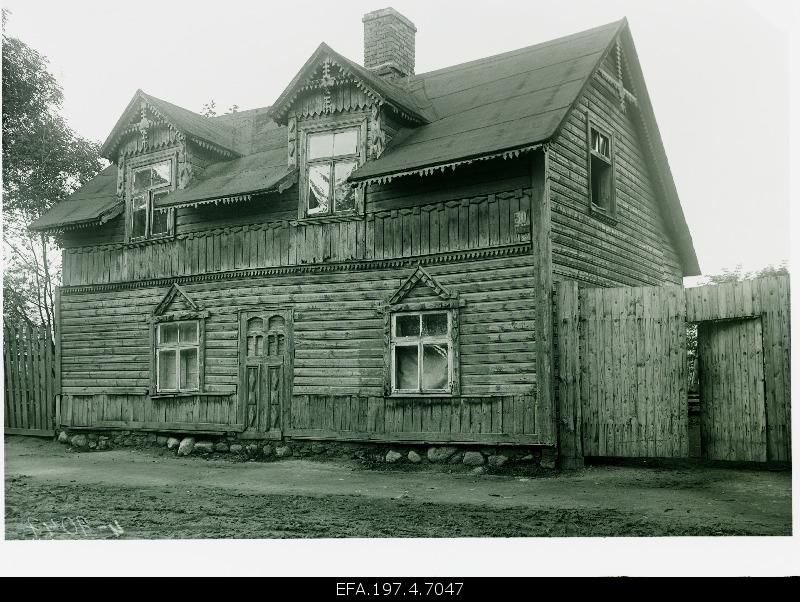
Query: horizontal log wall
339, 351
635, 251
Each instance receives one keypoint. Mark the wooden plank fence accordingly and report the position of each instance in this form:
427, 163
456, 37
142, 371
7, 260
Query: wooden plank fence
622, 370
29, 379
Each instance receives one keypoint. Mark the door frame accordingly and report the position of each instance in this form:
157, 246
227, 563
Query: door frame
242, 314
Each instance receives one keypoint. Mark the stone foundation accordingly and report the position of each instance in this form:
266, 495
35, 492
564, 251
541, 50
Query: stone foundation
479, 458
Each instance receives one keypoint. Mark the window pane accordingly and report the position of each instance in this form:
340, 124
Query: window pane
189, 372
138, 216
345, 199
407, 326
162, 174
160, 223
168, 334
434, 324
141, 180
345, 143
319, 189
406, 368
434, 367
166, 370
320, 146
600, 143
188, 332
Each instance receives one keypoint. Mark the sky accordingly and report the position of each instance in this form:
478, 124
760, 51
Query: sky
717, 72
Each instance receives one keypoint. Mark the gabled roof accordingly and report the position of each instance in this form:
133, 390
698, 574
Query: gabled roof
197, 127
94, 204
394, 96
494, 105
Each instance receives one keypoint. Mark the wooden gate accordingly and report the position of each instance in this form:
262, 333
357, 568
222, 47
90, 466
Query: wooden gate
633, 372
621, 367
732, 403
744, 330
263, 379
28, 362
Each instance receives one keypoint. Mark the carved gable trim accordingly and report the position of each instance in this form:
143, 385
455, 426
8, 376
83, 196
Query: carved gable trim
421, 276
174, 292
324, 74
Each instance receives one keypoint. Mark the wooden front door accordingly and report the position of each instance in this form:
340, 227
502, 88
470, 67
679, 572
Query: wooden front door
733, 422
264, 373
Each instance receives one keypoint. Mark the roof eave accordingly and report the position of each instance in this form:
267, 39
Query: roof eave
99, 220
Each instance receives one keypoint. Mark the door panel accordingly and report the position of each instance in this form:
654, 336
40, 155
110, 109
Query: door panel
732, 397
264, 362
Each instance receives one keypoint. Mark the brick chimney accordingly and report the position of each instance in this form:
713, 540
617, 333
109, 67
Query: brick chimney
389, 43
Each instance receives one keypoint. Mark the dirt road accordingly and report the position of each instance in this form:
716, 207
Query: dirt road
142, 494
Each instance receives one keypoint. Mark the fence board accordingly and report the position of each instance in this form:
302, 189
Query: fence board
632, 371
29, 380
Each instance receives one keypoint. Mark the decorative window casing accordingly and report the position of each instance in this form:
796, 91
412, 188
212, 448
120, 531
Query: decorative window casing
421, 337
148, 181
600, 166
178, 333
330, 152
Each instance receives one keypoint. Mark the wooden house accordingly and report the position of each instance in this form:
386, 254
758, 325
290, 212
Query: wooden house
372, 257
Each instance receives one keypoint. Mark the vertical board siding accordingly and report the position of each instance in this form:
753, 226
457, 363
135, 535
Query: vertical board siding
629, 363
769, 299
633, 372
635, 251
733, 409
387, 234
29, 380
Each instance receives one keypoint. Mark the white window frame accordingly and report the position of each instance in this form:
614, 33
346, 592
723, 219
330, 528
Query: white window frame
420, 340
150, 193
177, 347
324, 126
331, 161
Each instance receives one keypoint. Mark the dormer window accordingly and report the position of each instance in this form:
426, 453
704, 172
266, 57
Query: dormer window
148, 183
330, 155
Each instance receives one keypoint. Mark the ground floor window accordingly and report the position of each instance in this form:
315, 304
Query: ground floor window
422, 352
178, 356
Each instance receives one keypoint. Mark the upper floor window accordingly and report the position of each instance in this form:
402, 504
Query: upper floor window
148, 184
331, 156
601, 172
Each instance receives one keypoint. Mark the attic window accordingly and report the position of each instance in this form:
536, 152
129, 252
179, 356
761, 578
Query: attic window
148, 183
601, 172
331, 156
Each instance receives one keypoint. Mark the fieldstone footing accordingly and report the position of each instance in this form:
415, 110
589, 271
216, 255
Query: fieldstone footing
449, 457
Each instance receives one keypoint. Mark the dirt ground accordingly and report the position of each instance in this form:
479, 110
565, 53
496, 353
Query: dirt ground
53, 493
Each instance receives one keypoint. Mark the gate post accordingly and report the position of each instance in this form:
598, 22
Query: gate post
568, 391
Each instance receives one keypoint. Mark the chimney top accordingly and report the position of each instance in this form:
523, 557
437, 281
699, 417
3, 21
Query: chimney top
389, 43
